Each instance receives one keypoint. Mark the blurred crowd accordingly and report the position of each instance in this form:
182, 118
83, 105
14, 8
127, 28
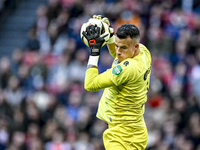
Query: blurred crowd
43, 104
7, 5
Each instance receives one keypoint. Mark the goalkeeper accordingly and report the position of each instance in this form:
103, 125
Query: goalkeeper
126, 85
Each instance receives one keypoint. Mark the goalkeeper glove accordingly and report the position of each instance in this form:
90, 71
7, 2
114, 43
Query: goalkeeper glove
111, 30
92, 34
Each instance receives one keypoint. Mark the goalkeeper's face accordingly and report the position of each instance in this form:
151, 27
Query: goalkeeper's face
125, 48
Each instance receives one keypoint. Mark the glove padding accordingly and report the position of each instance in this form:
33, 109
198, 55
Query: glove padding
92, 34
111, 30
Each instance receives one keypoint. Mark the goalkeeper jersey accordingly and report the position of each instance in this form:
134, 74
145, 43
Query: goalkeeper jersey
126, 85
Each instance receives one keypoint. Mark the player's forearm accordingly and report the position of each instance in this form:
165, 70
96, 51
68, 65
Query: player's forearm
95, 81
111, 48
90, 75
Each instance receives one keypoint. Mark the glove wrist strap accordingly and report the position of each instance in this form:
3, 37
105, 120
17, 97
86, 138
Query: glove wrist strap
93, 60
95, 51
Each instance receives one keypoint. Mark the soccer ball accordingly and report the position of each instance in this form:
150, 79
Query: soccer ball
104, 30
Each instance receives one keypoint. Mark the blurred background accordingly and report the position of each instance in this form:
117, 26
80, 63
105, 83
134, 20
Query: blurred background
43, 105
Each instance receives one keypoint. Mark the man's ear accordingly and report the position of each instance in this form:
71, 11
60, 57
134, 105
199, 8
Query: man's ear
136, 45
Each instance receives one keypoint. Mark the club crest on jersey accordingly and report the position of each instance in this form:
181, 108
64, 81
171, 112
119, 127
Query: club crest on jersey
126, 63
117, 70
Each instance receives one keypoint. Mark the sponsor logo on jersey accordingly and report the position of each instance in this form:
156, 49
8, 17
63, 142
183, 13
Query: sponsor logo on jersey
117, 70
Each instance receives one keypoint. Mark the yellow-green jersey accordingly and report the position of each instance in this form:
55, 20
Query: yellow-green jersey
126, 85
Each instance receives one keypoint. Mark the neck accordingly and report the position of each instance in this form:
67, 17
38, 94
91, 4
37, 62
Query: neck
136, 52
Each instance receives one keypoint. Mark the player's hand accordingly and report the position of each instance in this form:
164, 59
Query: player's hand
92, 34
111, 30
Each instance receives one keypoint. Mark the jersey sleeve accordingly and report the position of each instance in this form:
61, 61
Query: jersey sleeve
123, 72
95, 81
117, 75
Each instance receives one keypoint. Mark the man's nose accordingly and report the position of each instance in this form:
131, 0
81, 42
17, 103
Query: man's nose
118, 50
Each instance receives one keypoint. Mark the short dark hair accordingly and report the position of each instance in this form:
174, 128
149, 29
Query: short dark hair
127, 30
